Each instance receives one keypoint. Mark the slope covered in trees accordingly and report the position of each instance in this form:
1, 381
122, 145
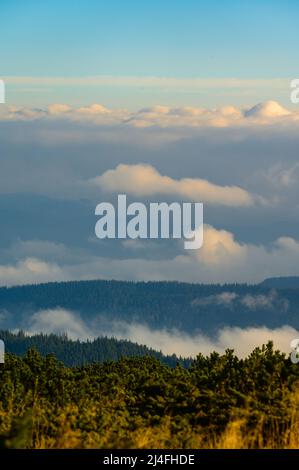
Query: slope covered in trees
186, 307
76, 353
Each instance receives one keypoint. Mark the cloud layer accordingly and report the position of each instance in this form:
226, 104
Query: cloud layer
243, 341
58, 163
221, 259
265, 113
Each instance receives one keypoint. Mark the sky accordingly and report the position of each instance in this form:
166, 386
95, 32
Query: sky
147, 50
164, 101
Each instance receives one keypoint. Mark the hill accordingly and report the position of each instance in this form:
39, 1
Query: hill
159, 305
77, 353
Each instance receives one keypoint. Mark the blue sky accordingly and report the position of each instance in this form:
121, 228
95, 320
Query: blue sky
161, 38
181, 39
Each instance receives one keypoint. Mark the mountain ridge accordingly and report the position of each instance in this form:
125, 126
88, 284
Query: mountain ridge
185, 307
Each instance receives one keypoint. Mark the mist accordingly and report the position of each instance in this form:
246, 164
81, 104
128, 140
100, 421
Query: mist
169, 341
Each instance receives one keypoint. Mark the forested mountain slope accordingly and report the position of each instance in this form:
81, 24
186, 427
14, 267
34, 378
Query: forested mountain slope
186, 307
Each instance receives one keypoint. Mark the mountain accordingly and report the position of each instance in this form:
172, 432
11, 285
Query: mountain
77, 353
101, 306
286, 282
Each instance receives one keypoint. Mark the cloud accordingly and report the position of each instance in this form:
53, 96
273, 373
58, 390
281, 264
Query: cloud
220, 247
262, 301
56, 109
145, 180
58, 321
267, 109
47, 161
242, 340
264, 113
221, 259
225, 298
186, 117
30, 271
229, 299
94, 109
282, 176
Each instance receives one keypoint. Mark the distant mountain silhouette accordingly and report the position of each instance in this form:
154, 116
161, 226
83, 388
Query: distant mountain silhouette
287, 282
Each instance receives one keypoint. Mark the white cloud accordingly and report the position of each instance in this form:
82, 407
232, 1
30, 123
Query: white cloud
30, 270
262, 114
94, 109
58, 321
228, 299
243, 341
145, 180
57, 109
220, 247
269, 109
